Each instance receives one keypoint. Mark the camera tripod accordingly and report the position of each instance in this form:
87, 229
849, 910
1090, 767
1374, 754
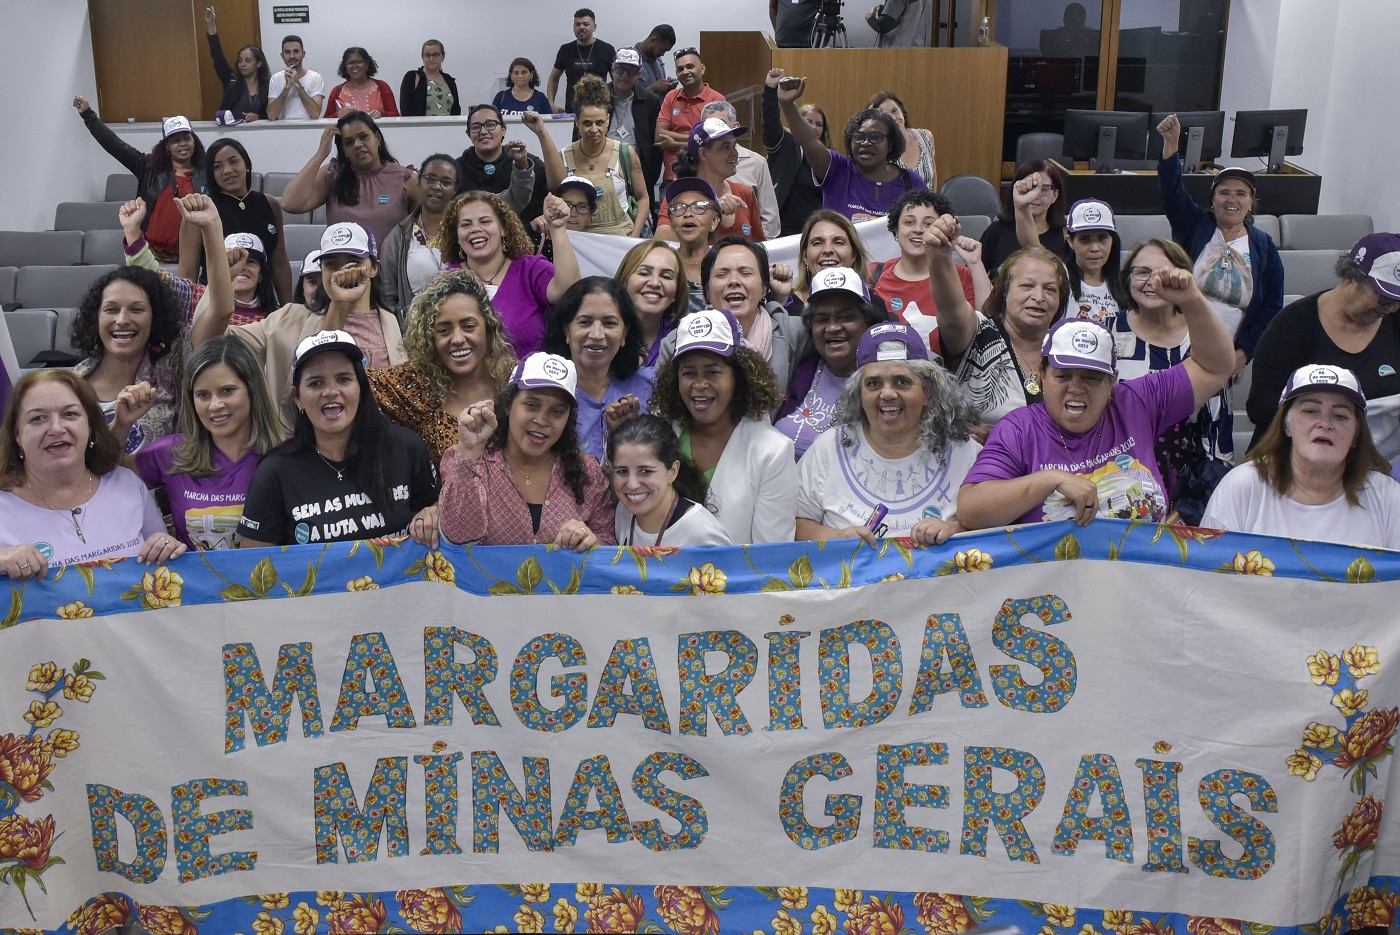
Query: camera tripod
829, 30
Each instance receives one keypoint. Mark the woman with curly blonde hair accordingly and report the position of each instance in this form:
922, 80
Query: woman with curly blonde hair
718, 394
457, 355
482, 234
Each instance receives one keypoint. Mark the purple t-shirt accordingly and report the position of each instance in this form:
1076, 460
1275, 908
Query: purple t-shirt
847, 191
206, 510
1118, 454
121, 516
522, 301
592, 427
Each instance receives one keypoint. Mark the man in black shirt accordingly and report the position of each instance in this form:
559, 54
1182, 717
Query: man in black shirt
792, 21
584, 56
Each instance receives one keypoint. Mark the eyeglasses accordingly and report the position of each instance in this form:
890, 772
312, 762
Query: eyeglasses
432, 55
690, 50
698, 207
354, 61
438, 181
486, 126
578, 208
1140, 273
869, 137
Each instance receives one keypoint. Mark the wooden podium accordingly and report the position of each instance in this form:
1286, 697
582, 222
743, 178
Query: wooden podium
957, 94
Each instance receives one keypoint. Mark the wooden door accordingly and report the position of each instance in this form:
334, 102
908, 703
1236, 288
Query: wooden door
151, 57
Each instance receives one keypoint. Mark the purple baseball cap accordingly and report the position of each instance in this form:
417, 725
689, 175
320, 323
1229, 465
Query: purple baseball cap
1079, 344
1324, 377
681, 186
709, 130
890, 340
1378, 255
1234, 172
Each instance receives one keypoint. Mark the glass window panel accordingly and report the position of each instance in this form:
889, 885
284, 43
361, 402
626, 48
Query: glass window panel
1052, 66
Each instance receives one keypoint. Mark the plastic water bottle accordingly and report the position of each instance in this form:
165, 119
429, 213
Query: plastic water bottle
984, 35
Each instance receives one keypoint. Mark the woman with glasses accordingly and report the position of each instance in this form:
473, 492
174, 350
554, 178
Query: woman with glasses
868, 182
712, 155
1032, 214
362, 185
360, 90
409, 258
429, 91
488, 164
695, 216
1150, 335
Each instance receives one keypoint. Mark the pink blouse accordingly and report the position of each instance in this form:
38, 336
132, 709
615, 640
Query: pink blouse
481, 505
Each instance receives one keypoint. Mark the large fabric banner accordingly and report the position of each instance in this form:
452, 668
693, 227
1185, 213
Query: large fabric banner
1124, 728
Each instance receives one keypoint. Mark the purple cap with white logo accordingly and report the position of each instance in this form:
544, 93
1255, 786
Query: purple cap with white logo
1089, 214
1324, 378
1378, 255
890, 340
1079, 344
541, 371
709, 130
710, 329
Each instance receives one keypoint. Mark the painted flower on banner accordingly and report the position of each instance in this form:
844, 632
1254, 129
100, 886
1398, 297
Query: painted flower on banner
1116, 920
1369, 737
707, 579
1361, 826
534, 892
1324, 668
365, 583
1368, 906
948, 913
62, 742
1304, 764
846, 900
793, 897
43, 713
785, 923
169, 920
685, 909
1210, 925
78, 688
43, 677
103, 912
436, 567
1145, 927
624, 589
159, 588
615, 911
267, 924
1059, 916
305, 918
529, 920
27, 841
74, 611
275, 900
565, 916
824, 921
972, 560
584, 892
1252, 562
1362, 660
429, 910
360, 914
1320, 736
1349, 702
25, 764
876, 917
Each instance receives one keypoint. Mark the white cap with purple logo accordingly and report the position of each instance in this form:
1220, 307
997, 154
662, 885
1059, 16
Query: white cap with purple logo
541, 371
1378, 256
249, 242
172, 125
325, 341
711, 329
1089, 214
709, 130
1325, 378
348, 238
312, 263
1079, 344
838, 279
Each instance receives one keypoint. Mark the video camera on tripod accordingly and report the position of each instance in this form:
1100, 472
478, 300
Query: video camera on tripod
829, 30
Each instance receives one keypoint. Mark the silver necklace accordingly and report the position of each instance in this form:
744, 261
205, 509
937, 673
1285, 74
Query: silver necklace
72, 513
339, 472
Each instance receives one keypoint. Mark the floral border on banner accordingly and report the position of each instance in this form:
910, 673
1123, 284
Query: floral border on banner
27, 759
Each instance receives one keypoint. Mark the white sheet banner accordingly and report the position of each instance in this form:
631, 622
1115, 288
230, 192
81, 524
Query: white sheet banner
1045, 727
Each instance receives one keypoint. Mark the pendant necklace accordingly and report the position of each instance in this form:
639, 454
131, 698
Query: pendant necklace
72, 513
339, 472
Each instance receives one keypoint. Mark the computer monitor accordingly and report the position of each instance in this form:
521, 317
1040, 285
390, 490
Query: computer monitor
1102, 136
1269, 133
1202, 136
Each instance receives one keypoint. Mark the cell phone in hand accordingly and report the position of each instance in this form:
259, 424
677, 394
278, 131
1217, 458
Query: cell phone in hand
789, 82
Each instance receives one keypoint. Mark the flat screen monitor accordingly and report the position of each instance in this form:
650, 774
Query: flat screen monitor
1272, 134
1202, 136
1104, 136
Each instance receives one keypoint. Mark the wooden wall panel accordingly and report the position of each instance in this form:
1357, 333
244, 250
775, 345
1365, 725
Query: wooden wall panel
239, 25
146, 85
958, 94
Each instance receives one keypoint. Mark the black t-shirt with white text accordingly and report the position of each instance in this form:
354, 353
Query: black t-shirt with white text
575, 61
295, 497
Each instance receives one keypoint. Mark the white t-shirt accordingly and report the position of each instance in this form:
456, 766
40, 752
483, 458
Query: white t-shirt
1095, 303
422, 263
293, 108
840, 485
696, 526
1243, 502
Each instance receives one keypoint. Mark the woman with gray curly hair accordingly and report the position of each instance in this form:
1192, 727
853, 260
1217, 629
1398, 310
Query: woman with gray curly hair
898, 450
457, 355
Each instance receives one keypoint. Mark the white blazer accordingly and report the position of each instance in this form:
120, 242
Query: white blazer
754, 490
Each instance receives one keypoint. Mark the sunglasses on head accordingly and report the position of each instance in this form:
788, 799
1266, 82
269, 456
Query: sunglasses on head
689, 50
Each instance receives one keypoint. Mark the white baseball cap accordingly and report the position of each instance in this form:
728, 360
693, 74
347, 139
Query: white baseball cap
1079, 344
838, 279
546, 371
1089, 214
628, 57
246, 242
172, 125
1327, 378
312, 263
711, 329
325, 341
349, 238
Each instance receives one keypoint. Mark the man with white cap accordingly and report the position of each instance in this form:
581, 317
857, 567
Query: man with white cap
1090, 449
1351, 325
1316, 474
634, 114
349, 263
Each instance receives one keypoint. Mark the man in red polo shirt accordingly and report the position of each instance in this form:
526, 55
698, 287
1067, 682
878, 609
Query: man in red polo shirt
680, 110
